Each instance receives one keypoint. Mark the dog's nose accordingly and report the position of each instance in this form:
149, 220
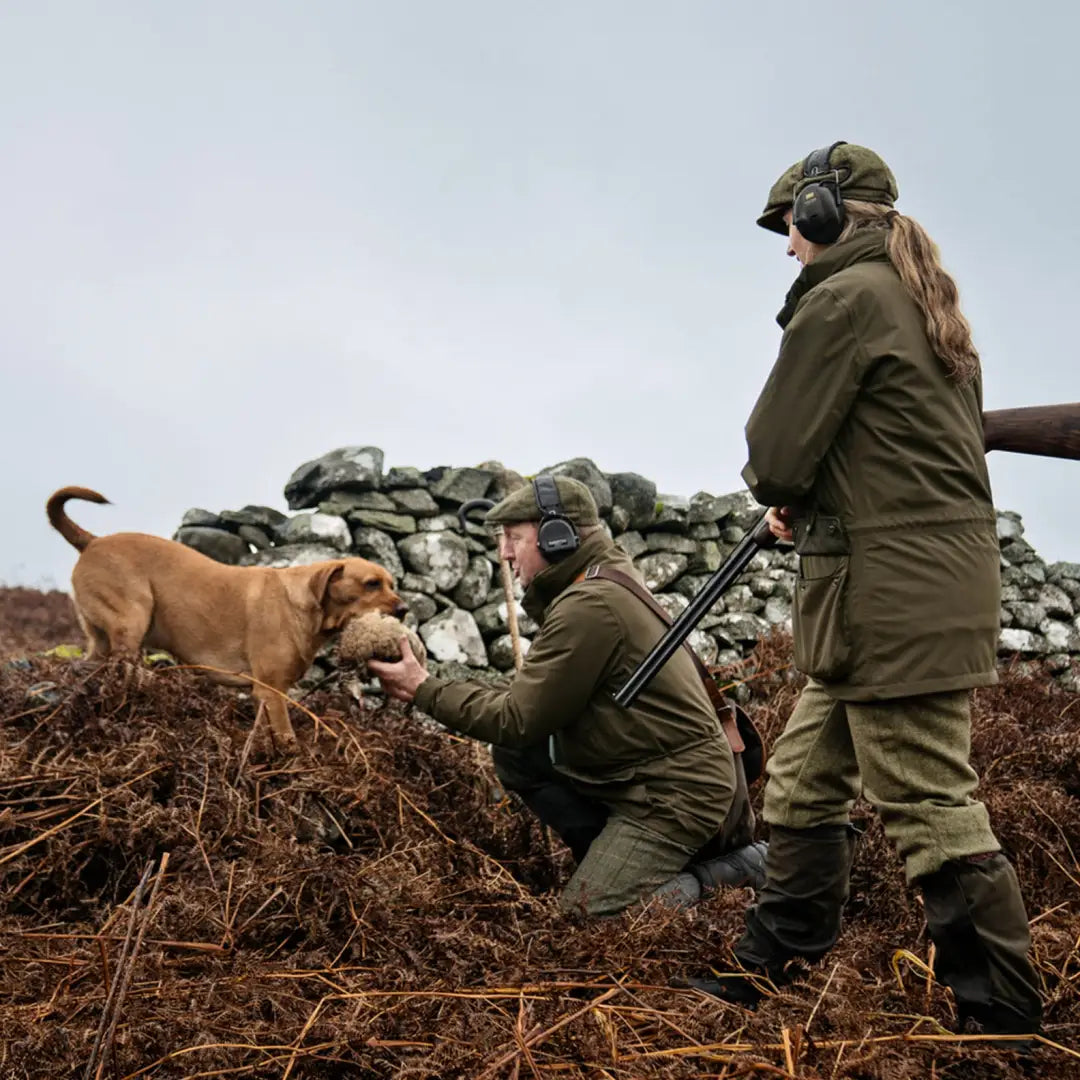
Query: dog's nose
400, 610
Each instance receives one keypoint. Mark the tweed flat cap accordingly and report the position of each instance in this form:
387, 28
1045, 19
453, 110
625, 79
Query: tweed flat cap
577, 504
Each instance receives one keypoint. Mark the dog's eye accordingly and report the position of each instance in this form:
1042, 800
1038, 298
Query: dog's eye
371, 586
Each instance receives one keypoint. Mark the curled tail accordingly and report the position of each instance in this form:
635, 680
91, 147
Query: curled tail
76, 536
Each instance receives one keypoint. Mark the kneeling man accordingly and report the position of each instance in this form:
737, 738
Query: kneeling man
650, 799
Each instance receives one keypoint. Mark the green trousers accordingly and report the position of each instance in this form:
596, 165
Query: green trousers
908, 756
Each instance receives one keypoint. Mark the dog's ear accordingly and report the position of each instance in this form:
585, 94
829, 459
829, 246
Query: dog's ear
323, 579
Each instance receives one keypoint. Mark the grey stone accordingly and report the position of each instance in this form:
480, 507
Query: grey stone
442, 556
316, 528
261, 517
291, 555
461, 485
198, 516
1019, 641
1027, 616
620, 519
505, 480
439, 523
661, 568
473, 587
1055, 601
778, 611
1069, 586
1059, 636
415, 501
633, 543
394, 524
403, 477
491, 619
1007, 617
418, 582
222, 546
344, 503
727, 657
707, 557
349, 468
1019, 552
635, 495
255, 536
501, 652
378, 547
670, 517
420, 604
583, 469
741, 509
707, 530
663, 541
704, 645
738, 627
452, 635
732, 534
1009, 526
1058, 570
763, 585
1058, 663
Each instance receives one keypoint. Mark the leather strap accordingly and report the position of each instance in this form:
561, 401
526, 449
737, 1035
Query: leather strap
725, 711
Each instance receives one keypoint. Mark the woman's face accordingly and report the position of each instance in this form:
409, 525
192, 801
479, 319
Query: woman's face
797, 244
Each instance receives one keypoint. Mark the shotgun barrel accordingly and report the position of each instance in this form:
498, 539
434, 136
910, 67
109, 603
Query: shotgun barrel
755, 540
1046, 430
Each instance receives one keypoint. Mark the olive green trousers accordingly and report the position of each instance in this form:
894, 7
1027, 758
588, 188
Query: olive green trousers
907, 756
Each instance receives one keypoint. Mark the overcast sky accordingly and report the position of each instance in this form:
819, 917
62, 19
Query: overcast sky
239, 234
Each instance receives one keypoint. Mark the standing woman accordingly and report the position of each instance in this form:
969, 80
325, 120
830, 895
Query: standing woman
869, 432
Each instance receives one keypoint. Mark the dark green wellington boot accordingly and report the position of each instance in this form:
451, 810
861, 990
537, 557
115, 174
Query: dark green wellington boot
976, 919
797, 914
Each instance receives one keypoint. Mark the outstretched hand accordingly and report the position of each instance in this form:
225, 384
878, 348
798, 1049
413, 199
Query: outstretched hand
401, 678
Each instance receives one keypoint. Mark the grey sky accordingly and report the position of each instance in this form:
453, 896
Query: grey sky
239, 234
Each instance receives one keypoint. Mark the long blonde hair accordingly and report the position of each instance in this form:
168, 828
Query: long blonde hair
915, 257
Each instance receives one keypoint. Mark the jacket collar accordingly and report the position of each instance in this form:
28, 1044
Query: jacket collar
864, 246
559, 576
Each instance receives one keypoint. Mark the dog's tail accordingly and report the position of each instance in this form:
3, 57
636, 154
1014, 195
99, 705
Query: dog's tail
74, 534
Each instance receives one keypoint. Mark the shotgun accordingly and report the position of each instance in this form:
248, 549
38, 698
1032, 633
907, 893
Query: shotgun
1046, 430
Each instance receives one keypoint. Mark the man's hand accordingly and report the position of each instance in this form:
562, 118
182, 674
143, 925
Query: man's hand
401, 678
778, 518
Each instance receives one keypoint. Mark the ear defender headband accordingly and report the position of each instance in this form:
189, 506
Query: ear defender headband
557, 537
818, 210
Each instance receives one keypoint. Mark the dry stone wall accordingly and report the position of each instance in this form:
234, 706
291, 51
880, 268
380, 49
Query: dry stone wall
406, 519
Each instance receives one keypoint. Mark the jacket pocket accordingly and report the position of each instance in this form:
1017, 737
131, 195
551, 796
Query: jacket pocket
819, 617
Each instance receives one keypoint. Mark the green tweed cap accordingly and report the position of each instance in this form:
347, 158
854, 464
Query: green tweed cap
577, 504
863, 176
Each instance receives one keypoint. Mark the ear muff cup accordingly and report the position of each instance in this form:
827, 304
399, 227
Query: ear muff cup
818, 210
557, 536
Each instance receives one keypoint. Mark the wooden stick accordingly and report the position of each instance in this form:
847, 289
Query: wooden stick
511, 612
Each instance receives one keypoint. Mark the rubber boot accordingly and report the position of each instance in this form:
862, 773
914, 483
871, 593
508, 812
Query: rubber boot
976, 919
797, 914
743, 866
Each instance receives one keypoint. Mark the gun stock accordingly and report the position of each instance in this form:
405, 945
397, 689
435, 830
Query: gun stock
1046, 430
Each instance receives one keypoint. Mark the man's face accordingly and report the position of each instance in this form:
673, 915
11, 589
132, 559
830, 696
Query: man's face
517, 546
797, 244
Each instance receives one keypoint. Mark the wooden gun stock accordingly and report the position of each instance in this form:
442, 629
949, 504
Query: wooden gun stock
1047, 430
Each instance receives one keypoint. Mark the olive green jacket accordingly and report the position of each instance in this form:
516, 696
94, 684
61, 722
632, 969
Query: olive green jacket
881, 454
664, 762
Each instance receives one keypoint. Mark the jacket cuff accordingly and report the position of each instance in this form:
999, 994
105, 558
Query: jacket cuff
424, 699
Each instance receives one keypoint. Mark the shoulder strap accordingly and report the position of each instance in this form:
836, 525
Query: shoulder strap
725, 710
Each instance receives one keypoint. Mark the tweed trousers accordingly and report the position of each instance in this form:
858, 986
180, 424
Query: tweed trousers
908, 756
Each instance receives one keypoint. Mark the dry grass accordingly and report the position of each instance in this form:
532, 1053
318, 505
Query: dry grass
367, 910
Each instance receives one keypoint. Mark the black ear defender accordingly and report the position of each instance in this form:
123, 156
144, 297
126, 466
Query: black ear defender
557, 537
818, 210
